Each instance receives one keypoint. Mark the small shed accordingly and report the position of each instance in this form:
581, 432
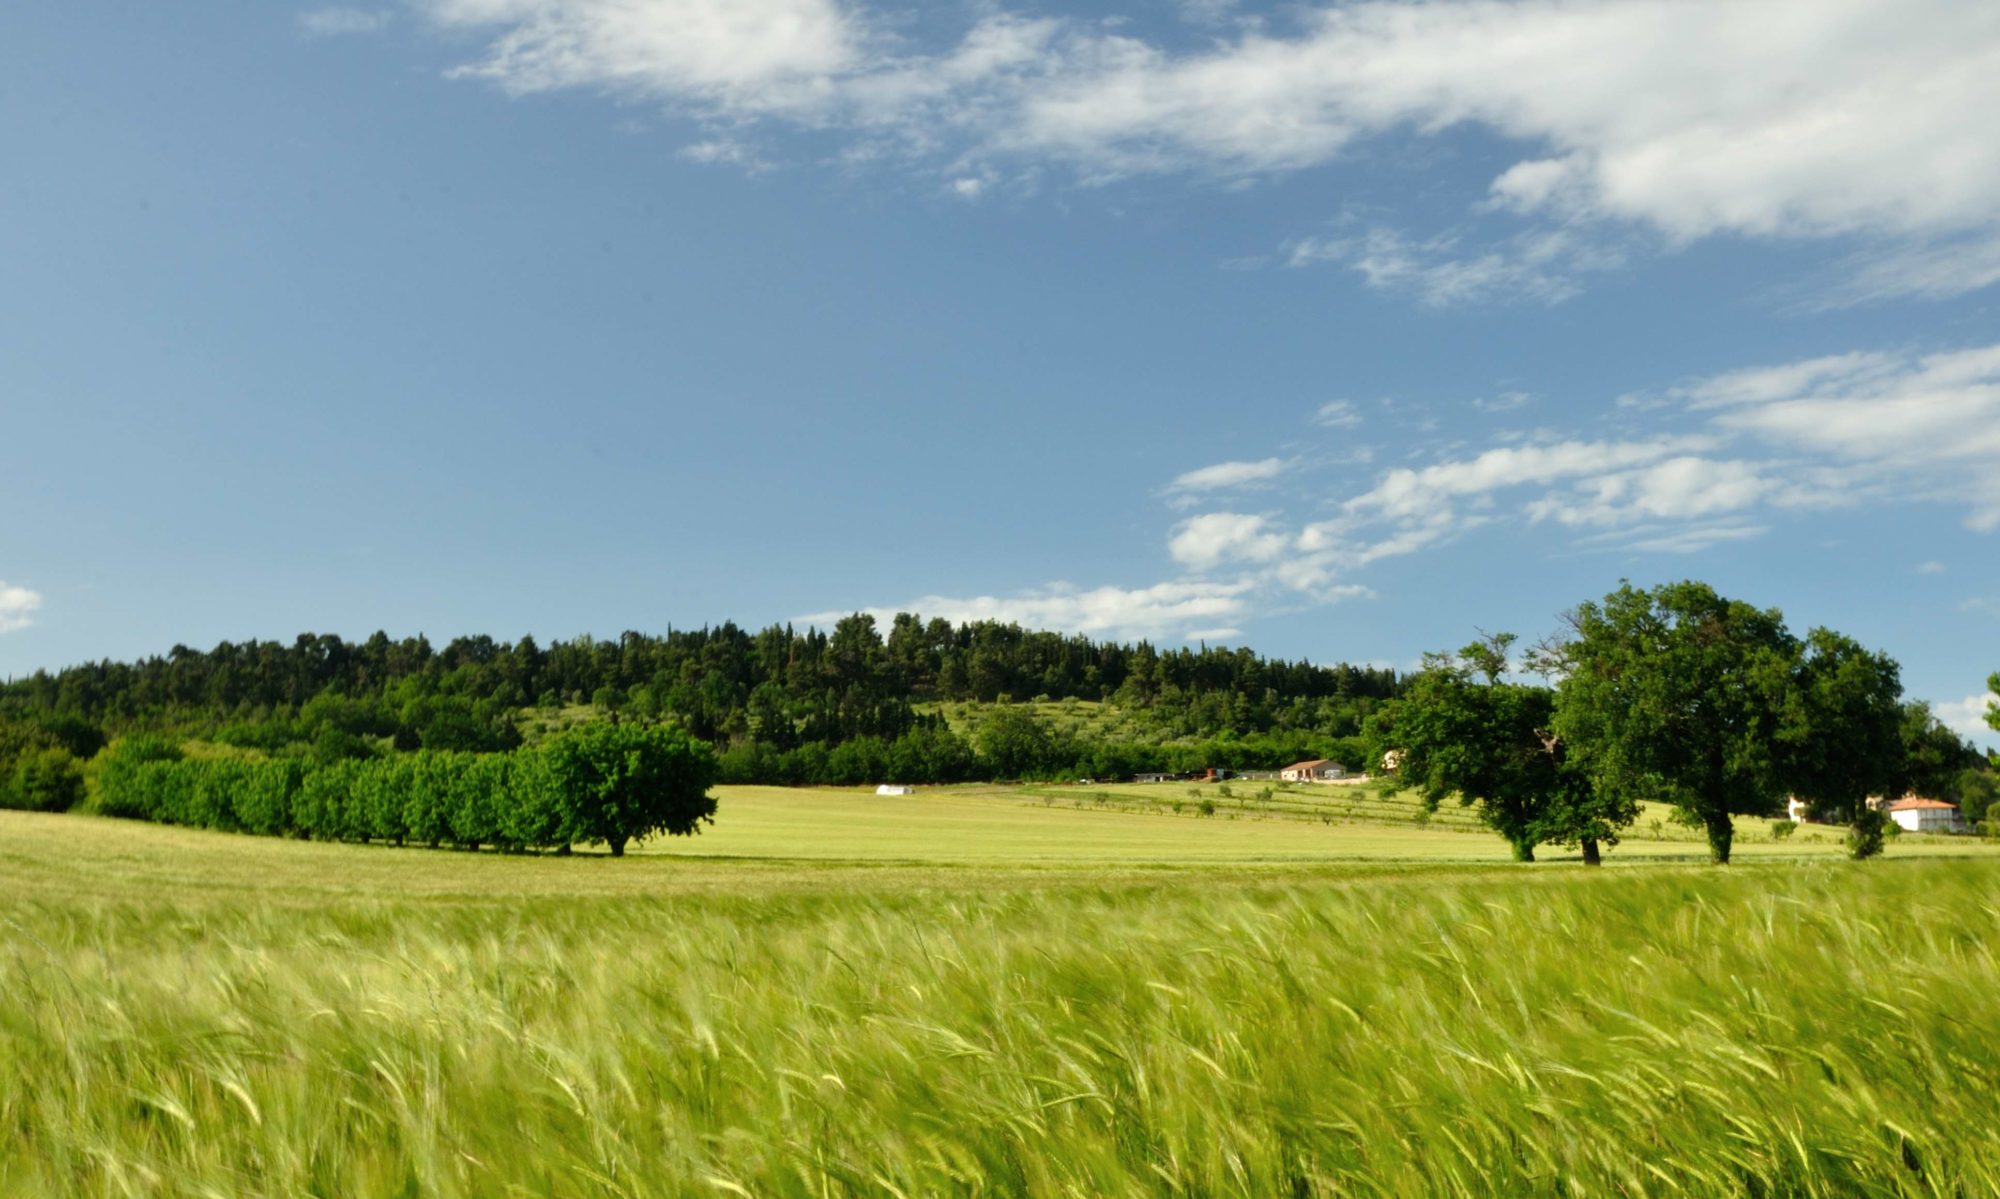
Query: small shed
895, 789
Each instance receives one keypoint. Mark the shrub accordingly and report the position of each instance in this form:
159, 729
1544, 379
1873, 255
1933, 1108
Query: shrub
44, 780
1866, 835
1781, 829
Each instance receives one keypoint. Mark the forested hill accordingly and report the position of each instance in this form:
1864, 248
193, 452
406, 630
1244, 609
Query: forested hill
780, 688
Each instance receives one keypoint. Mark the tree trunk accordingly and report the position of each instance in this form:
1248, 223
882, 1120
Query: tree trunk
562, 851
1591, 857
617, 847
1721, 831
1524, 851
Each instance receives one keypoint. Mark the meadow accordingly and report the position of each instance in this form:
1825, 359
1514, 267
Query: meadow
992, 992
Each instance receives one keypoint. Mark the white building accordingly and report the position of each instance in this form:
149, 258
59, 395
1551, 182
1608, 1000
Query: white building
1319, 770
895, 789
1924, 815
1796, 809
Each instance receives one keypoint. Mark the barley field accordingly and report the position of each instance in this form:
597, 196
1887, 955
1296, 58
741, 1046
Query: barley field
200, 1014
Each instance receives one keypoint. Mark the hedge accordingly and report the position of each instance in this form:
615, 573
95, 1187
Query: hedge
601, 784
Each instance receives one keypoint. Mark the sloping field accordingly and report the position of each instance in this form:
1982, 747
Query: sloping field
194, 1013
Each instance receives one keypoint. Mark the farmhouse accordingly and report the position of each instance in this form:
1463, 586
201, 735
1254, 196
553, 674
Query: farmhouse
1319, 770
895, 789
1918, 815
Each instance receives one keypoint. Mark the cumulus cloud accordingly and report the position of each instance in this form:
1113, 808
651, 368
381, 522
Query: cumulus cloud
1685, 119
1967, 717
342, 22
1207, 541
17, 607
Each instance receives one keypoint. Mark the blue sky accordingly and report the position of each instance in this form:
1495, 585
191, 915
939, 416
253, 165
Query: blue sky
1335, 331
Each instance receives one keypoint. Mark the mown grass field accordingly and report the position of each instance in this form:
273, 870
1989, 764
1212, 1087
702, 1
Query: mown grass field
831, 993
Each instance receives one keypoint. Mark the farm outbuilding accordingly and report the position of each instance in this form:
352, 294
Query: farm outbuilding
1318, 770
895, 789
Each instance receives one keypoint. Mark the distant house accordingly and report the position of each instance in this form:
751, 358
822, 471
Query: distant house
1796, 809
1156, 778
895, 789
1918, 815
1319, 770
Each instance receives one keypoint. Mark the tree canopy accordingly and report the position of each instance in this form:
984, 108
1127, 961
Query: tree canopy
1713, 705
1460, 729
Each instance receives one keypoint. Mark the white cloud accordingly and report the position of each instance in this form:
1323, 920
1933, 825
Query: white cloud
17, 607
1141, 612
1918, 427
1679, 488
1222, 634
1225, 475
1544, 266
1859, 119
1506, 401
1931, 568
1337, 414
1967, 717
342, 22
1207, 541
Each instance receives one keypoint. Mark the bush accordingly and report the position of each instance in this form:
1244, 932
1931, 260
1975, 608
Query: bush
1865, 837
44, 780
1781, 829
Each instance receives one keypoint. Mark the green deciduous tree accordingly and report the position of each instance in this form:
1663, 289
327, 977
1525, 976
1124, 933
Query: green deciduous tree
1714, 706
1843, 731
618, 783
1461, 729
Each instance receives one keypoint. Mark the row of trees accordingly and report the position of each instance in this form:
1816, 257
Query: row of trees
1674, 694
605, 783
1012, 743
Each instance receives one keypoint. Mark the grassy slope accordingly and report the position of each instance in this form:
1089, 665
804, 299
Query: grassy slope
1011, 999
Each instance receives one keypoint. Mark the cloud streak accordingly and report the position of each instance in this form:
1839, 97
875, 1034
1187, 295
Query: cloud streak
1681, 119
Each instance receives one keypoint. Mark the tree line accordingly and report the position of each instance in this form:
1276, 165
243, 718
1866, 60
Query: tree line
1674, 694
605, 783
780, 705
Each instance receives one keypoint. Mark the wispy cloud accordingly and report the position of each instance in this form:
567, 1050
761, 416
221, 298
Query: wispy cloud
1166, 609
1337, 414
1858, 120
18, 606
343, 22
1225, 475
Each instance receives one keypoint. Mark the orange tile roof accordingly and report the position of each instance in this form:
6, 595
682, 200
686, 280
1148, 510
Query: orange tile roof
1912, 803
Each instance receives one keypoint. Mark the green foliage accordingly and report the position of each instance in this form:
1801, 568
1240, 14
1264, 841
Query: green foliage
1714, 706
624, 782
776, 691
43, 780
609, 783
1868, 832
1782, 830
1460, 730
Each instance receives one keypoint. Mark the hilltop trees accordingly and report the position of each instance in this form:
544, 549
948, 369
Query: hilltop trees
1714, 706
1461, 729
